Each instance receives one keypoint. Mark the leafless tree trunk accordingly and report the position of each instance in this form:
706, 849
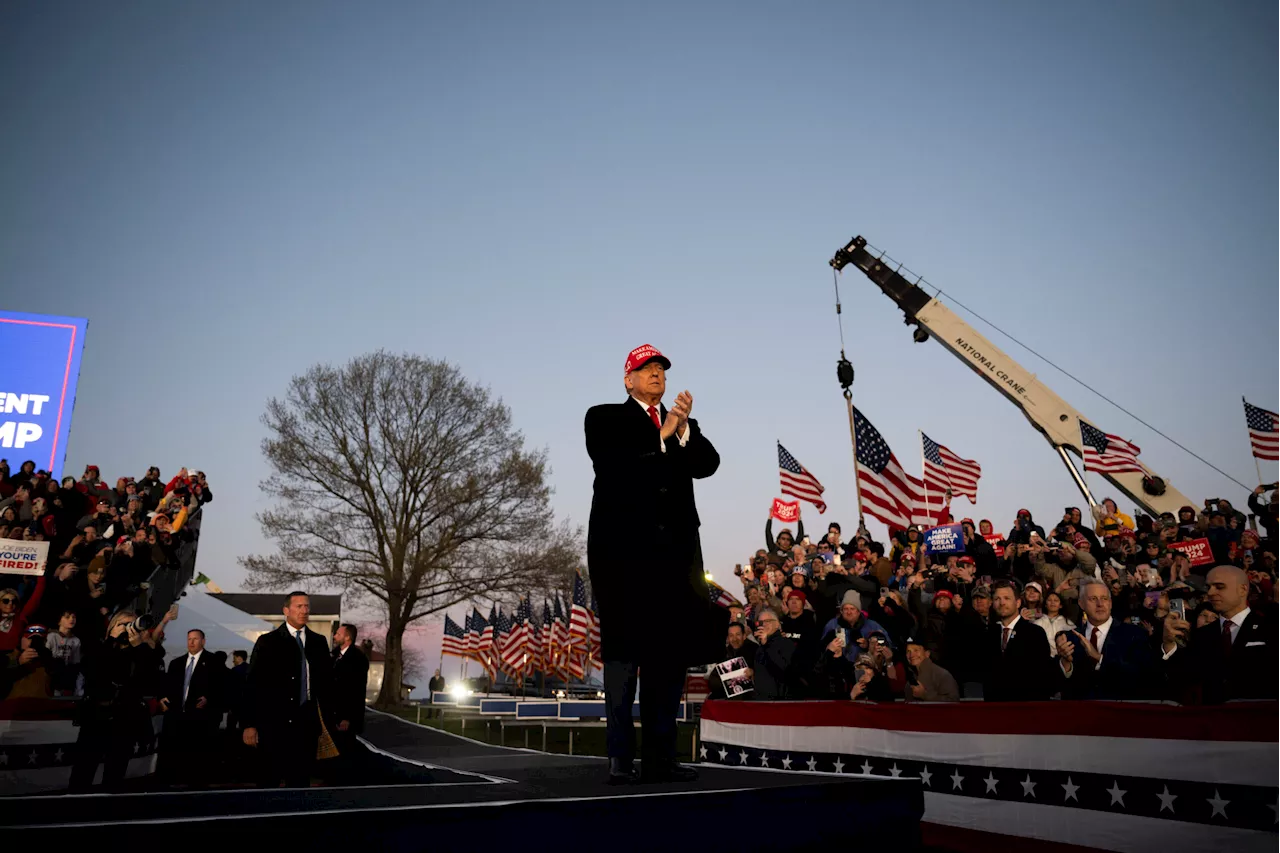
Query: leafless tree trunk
399, 481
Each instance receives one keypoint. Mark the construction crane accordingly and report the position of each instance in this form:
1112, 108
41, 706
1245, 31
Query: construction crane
1055, 419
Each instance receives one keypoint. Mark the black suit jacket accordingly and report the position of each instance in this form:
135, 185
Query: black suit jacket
1023, 671
643, 539
1127, 671
350, 680
273, 686
207, 680
1203, 673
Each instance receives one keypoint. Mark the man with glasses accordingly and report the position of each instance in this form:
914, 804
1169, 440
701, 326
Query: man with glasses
13, 622
775, 658
643, 534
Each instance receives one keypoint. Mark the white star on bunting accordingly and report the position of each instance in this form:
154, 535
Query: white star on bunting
990, 782
1166, 800
1070, 791
1117, 795
32, 758
702, 751
894, 771
925, 776
1028, 787
812, 762
1219, 805
865, 768
57, 756
724, 753
764, 759
839, 765
786, 763
743, 756
957, 780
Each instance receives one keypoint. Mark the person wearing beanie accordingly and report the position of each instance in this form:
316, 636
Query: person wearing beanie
800, 627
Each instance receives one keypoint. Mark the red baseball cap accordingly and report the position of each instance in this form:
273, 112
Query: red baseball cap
642, 355
966, 559
968, 521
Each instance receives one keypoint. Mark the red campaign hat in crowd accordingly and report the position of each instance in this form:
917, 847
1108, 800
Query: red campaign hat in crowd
944, 593
642, 355
1080, 541
966, 559
968, 521
1025, 512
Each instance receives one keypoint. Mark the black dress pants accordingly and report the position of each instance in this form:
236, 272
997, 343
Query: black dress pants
288, 750
660, 688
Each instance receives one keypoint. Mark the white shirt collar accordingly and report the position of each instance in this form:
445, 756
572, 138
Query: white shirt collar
645, 405
1103, 629
1017, 617
1238, 619
196, 655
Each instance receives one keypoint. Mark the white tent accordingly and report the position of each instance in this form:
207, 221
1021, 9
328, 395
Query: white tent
226, 629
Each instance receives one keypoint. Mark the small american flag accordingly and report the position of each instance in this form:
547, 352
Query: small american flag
1264, 432
943, 470
579, 618
559, 638
888, 492
593, 644
455, 640
1108, 454
797, 481
474, 628
517, 642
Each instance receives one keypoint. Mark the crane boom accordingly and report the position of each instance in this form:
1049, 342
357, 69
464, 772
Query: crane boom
1052, 416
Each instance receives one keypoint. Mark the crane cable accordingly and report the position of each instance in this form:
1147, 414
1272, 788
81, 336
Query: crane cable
1093, 390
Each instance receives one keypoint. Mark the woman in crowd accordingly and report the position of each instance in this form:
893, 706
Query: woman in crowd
1053, 621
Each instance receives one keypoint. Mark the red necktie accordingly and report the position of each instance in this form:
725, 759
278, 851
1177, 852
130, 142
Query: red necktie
1093, 638
1226, 636
653, 416
1004, 638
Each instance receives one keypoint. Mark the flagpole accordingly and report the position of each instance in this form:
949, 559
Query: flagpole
1257, 466
844, 372
924, 481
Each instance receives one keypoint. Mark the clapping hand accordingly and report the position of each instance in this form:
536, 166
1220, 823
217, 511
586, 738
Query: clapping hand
678, 415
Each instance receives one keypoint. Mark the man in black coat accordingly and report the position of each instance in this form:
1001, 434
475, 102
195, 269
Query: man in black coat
290, 682
194, 698
1019, 666
1233, 657
345, 716
1106, 658
643, 535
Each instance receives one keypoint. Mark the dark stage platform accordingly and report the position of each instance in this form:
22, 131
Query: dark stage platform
428, 787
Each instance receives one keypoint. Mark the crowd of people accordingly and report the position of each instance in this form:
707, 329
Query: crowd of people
1102, 605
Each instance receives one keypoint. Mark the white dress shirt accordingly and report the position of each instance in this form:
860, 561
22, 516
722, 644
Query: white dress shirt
684, 434
192, 661
1237, 621
1087, 630
293, 634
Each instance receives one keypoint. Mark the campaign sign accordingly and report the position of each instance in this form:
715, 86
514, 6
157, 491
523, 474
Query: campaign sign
38, 387
993, 539
23, 558
1197, 550
945, 539
787, 513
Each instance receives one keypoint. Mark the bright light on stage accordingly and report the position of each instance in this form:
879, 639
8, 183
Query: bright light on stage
459, 692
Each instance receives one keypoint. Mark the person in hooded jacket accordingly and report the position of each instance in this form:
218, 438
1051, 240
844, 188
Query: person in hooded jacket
907, 540
938, 624
1267, 513
780, 549
979, 549
1023, 526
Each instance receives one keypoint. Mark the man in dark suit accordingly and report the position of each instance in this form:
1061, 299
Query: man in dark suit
643, 535
1018, 665
193, 701
1233, 657
1110, 659
290, 679
346, 714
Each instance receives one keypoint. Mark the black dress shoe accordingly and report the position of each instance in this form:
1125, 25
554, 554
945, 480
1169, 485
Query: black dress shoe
622, 772
670, 771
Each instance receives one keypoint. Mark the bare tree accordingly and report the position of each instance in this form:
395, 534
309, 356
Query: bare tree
401, 482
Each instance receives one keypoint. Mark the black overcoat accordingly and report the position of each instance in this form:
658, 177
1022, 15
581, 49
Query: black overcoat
643, 550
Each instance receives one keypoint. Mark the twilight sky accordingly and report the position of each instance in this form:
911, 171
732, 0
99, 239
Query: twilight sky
233, 191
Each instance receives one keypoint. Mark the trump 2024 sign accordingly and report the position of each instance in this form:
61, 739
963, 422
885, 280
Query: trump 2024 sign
38, 387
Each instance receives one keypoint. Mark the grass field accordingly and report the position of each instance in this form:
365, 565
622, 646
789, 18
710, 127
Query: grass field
587, 739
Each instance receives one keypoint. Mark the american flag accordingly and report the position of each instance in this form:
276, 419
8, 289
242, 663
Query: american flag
455, 640
1108, 454
559, 638
797, 481
487, 629
719, 595
517, 642
1264, 432
888, 492
579, 619
474, 628
593, 637
943, 470
548, 637
535, 647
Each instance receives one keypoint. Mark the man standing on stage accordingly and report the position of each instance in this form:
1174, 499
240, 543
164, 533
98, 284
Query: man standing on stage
643, 535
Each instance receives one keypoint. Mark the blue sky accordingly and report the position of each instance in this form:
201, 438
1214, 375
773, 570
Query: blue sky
232, 192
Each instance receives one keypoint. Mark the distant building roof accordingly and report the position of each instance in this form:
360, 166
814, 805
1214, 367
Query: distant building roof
271, 603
